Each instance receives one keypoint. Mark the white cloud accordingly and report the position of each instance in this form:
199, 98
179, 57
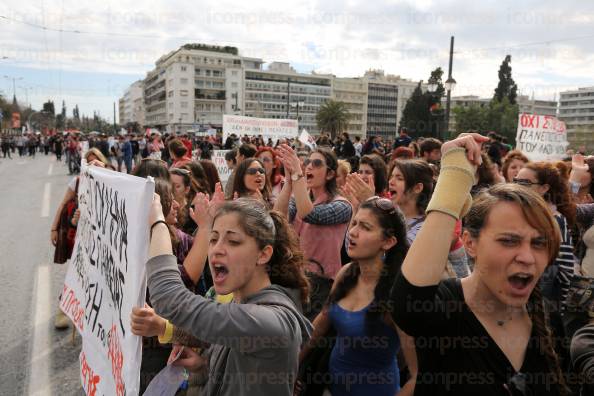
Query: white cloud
409, 38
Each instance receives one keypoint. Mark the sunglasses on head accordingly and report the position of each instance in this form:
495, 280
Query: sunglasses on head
253, 171
525, 182
383, 204
316, 163
180, 170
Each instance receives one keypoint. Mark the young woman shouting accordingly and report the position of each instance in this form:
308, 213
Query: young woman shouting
484, 334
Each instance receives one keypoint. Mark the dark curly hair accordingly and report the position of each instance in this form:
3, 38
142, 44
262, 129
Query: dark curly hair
286, 266
393, 224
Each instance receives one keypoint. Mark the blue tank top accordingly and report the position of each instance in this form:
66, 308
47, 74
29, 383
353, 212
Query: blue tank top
363, 361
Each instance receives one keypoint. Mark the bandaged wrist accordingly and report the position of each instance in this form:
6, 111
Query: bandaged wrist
166, 338
452, 191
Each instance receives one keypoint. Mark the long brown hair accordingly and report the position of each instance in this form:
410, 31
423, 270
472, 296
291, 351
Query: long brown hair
239, 186
558, 193
539, 216
286, 266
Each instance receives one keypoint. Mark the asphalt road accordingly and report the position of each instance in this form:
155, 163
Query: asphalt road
35, 359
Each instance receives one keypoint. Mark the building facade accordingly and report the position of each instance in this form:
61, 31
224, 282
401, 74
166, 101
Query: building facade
576, 109
354, 93
281, 92
193, 87
132, 105
536, 106
386, 98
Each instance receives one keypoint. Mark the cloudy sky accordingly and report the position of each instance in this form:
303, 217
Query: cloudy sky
90, 51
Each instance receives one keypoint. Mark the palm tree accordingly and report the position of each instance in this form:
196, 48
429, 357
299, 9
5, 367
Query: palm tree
333, 117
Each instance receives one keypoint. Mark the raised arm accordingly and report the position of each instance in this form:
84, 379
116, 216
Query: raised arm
291, 163
202, 213
426, 259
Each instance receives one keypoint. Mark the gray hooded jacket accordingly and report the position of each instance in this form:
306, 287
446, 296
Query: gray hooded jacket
254, 345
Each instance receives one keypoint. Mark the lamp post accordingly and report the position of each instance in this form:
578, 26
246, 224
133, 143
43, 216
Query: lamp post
449, 86
297, 105
14, 79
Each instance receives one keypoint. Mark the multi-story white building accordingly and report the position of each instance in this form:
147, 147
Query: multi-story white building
281, 92
386, 98
576, 109
194, 85
352, 92
132, 104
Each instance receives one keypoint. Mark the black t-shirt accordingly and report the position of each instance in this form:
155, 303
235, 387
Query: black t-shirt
456, 355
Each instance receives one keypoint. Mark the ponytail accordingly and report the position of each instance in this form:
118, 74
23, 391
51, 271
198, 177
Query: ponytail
536, 311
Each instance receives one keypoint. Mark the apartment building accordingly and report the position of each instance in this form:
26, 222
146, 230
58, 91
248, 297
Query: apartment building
132, 104
536, 106
281, 92
194, 86
386, 97
576, 109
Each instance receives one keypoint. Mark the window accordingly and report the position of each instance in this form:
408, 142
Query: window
170, 94
183, 68
183, 92
234, 85
184, 105
234, 73
184, 80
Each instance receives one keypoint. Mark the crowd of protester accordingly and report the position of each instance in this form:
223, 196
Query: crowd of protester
362, 267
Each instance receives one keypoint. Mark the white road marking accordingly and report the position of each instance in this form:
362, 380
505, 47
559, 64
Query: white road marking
39, 368
45, 203
50, 169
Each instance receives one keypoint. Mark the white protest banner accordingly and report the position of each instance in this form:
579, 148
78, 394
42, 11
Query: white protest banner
267, 127
218, 158
106, 278
307, 139
541, 137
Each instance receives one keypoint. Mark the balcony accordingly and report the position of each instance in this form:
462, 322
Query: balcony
201, 94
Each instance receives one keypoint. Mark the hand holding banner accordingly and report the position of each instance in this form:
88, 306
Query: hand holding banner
106, 278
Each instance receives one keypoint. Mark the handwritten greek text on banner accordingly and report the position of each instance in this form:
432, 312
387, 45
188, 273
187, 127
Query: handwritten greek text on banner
267, 127
106, 278
541, 137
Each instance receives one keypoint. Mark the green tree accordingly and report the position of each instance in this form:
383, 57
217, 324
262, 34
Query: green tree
500, 117
472, 118
49, 108
507, 87
422, 115
333, 117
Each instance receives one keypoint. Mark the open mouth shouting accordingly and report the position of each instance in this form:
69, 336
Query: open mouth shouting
220, 273
520, 284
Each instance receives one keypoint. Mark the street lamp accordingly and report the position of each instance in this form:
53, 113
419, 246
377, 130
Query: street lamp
432, 87
449, 85
14, 79
298, 104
